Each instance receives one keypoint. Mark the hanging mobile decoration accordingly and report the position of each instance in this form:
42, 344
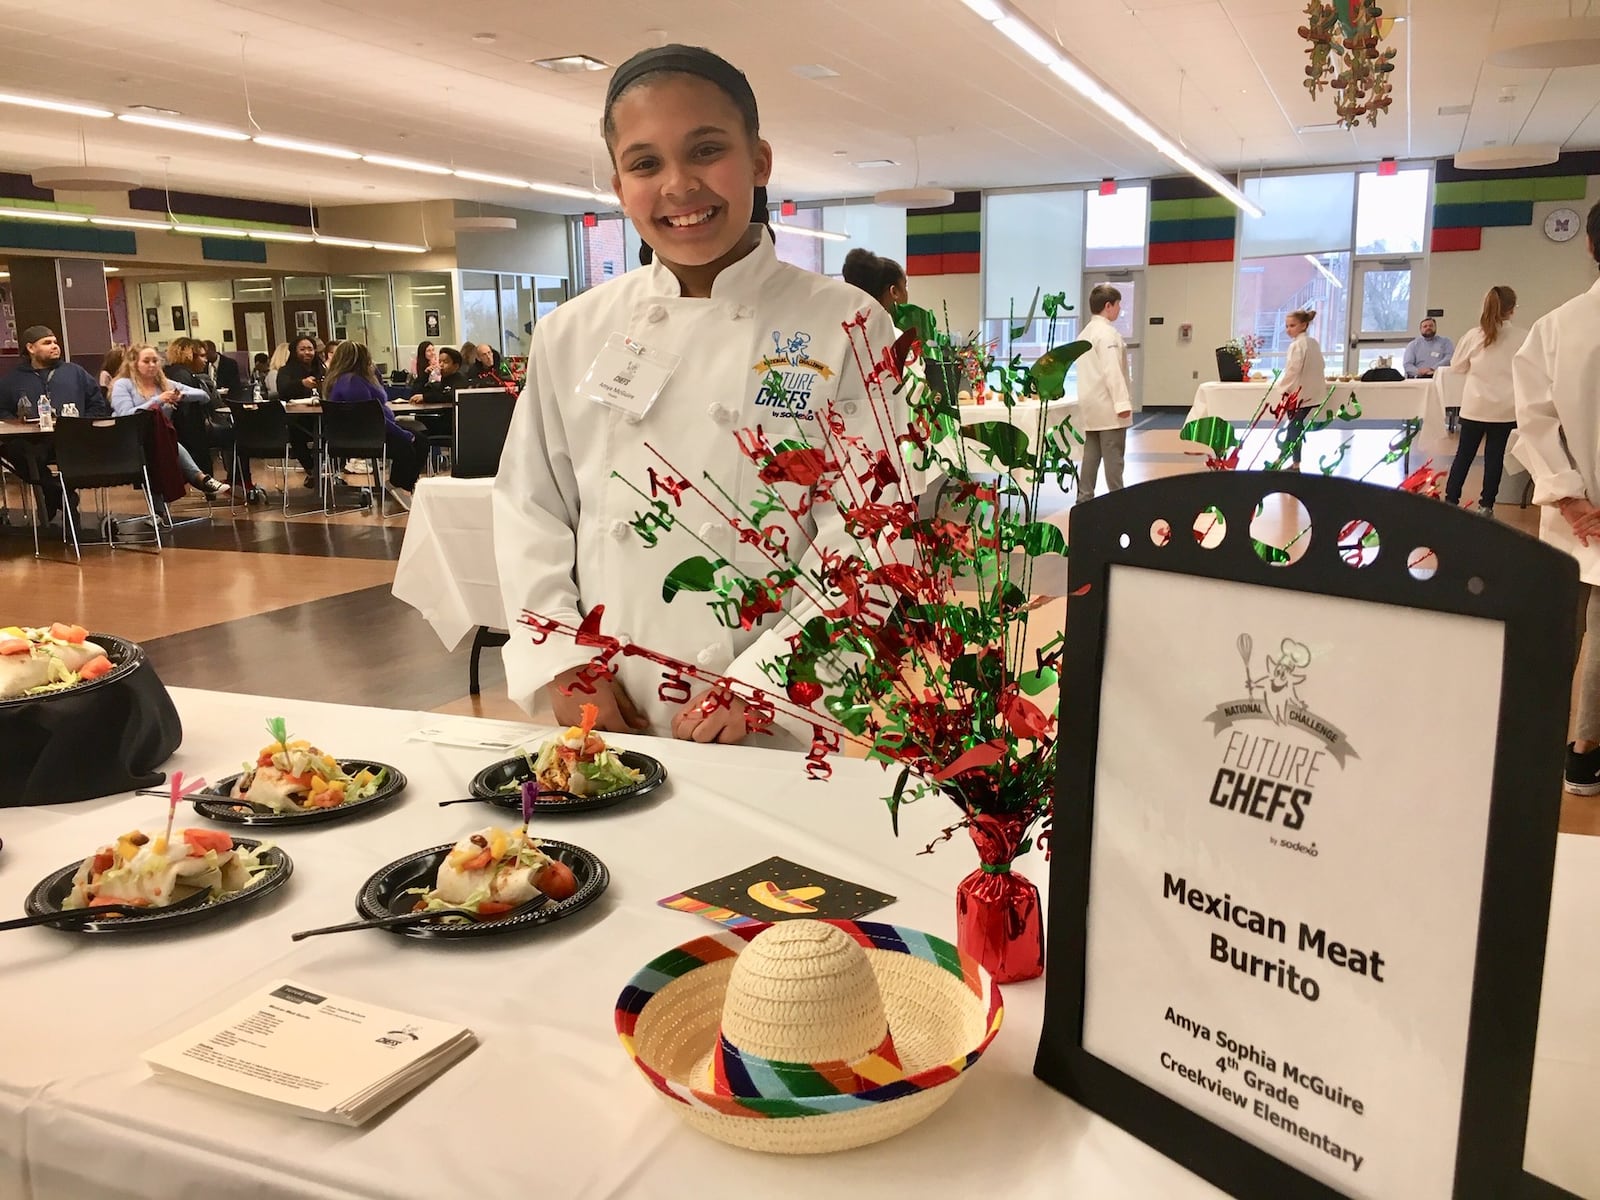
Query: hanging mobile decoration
1344, 42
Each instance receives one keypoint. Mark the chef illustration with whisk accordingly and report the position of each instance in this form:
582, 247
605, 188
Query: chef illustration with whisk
1278, 687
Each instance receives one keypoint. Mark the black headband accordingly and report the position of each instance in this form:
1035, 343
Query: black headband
683, 60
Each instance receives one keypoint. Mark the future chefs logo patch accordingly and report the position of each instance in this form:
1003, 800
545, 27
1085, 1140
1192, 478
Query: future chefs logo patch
789, 374
1272, 775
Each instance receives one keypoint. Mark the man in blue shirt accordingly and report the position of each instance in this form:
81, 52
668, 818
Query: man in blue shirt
42, 370
1428, 353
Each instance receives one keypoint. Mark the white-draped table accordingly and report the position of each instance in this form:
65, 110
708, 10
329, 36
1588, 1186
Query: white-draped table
447, 570
1404, 400
549, 1104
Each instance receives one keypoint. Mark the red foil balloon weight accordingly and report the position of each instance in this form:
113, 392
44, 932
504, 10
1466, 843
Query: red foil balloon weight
998, 918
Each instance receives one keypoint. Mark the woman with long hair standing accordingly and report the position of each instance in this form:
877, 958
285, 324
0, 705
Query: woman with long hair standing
350, 380
1488, 404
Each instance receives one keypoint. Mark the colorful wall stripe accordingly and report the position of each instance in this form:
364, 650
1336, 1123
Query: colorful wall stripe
1465, 203
945, 241
1189, 223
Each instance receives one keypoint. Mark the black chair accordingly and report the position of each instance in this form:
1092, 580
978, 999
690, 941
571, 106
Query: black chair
1229, 368
1382, 375
100, 453
483, 419
353, 431
262, 431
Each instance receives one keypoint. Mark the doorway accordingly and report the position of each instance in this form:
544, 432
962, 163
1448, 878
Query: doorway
307, 314
255, 328
1386, 301
1130, 324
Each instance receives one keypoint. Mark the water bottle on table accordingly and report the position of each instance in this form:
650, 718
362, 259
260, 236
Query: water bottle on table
47, 416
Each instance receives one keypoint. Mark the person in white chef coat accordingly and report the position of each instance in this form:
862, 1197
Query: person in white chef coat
1105, 400
690, 349
1556, 377
1488, 406
1303, 381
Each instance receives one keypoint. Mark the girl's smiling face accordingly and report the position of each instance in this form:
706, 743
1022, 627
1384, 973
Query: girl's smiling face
686, 167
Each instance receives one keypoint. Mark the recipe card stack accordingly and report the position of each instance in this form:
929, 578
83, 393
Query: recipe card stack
299, 1050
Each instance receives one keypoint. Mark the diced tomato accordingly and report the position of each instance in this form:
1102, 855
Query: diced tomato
202, 840
102, 901
556, 880
478, 862
325, 800
302, 782
68, 633
592, 747
103, 862
95, 667
494, 908
15, 646
264, 759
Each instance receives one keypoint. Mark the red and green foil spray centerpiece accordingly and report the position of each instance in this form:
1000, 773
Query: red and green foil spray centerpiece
910, 640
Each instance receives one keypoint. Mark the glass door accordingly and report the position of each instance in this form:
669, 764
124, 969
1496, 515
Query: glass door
1130, 324
1387, 302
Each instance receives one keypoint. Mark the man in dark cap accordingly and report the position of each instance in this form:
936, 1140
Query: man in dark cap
42, 371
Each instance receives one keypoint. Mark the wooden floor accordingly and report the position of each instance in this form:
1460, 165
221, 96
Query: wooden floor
250, 601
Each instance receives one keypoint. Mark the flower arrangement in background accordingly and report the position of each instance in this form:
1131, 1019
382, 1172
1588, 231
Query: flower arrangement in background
1244, 349
1344, 43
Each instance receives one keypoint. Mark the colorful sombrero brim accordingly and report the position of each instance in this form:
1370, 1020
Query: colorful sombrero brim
942, 1008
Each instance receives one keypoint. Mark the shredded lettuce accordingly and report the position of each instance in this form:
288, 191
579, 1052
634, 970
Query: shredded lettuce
607, 773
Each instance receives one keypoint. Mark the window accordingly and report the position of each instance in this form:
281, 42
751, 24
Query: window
362, 313
1392, 212
795, 248
423, 311
1117, 228
1304, 214
1270, 289
1032, 242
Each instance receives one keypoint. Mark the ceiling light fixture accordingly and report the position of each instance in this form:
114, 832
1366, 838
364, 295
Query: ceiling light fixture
280, 235
570, 63
481, 177
405, 164
872, 162
62, 106
399, 247
1548, 45
226, 231
211, 131
323, 239
318, 148
131, 223
1507, 158
824, 235
572, 193
1028, 37
42, 214
155, 109
915, 197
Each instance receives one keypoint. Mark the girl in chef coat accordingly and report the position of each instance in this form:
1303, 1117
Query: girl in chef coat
1488, 407
1302, 376
1558, 439
689, 349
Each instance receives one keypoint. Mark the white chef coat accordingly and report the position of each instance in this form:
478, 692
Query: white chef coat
564, 541
1558, 418
1304, 370
1487, 394
1104, 396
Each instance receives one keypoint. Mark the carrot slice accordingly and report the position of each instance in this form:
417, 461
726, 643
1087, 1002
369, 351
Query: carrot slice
68, 633
478, 862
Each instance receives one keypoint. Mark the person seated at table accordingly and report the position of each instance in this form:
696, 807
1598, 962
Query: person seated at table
1427, 353
452, 377
300, 379
143, 384
328, 352
260, 368
224, 370
351, 380
425, 367
491, 368
279, 360
469, 359
42, 371
110, 365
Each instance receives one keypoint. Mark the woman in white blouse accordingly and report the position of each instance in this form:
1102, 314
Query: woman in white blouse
1302, 384
1488, 404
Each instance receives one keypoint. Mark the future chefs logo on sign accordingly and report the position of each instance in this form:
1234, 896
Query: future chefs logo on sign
789, 374
1272, 776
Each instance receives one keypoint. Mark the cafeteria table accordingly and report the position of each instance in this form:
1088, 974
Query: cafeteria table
549, 1104
447, 569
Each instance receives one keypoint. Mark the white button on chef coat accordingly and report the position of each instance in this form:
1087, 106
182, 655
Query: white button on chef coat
556, 499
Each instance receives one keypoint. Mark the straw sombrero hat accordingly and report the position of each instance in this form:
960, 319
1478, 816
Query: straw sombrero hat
805, 1037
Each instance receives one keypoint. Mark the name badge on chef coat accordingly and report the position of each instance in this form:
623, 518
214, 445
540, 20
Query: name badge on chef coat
628, 376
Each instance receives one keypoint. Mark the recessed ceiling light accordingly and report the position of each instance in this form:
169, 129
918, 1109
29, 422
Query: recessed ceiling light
875, 162
814, 71
567, 64
1455, 110
840, 153
485, 37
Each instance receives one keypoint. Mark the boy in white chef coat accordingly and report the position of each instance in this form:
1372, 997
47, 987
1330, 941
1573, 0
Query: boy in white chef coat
746, 341
1105, 400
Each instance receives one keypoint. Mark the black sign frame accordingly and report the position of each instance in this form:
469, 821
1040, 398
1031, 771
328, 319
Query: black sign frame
1483, 569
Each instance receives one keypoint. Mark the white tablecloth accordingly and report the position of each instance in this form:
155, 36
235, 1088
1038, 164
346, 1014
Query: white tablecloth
550, 1087
1402, 401
446, 569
